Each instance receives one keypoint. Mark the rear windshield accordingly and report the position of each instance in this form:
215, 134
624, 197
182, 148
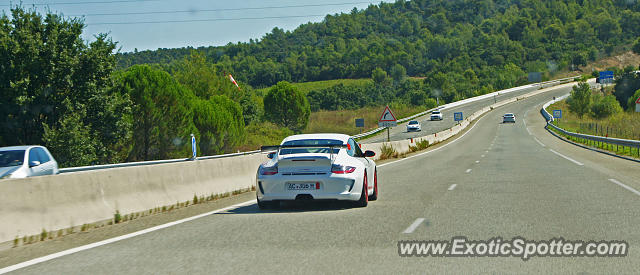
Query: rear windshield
508, 115
11, 158
435, 112
327, 142
413, 122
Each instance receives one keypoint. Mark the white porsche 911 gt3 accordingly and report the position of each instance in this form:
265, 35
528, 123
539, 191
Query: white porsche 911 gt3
319, 167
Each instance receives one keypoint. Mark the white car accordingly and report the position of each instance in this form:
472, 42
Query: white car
436, 115
26, 161
318, 167
509, 117
414, 126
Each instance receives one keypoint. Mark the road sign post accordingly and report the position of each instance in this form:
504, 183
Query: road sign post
193, 146
605, 77
557, 114
457, 116
638, 105
387, 119
360, 123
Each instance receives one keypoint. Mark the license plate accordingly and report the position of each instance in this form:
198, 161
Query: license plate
301, 186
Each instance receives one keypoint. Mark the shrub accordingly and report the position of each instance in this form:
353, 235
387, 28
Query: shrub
116, 217
43, 235
604, 106
387, 151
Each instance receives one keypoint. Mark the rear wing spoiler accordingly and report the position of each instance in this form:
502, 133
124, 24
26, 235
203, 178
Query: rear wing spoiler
276, 148
271, 148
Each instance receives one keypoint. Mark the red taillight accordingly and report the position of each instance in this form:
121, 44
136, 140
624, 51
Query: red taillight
340, 169
272, 170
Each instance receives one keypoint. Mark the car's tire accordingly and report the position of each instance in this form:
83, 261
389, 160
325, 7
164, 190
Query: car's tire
374, 196
364, 195
262, 205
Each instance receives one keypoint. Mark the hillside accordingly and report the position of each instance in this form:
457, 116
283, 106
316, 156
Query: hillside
507, 38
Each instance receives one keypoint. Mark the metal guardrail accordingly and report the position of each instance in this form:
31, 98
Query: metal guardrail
142, 163
601, 139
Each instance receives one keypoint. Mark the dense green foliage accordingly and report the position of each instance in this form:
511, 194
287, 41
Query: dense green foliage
61, 92
605, 106
499, 41
167, 112
286, 106
53, 89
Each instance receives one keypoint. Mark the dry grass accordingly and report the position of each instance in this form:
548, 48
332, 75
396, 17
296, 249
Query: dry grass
343, 121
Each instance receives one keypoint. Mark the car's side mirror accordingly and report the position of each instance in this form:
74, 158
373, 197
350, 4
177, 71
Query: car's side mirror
369, 153
271, 155
33, 163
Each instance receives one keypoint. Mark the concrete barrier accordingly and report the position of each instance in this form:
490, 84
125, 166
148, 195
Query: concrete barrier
27, 206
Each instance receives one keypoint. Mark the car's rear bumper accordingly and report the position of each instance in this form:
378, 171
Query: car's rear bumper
331, 187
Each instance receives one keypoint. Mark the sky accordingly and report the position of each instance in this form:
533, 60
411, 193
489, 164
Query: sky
208, 22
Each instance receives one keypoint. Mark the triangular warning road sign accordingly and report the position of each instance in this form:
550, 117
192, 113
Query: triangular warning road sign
387, 115
638, 100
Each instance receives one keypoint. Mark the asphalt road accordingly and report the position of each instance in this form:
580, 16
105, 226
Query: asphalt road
508, 183
429, 127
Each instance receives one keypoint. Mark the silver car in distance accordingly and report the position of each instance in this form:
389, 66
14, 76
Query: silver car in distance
26, 161
509, 117
317, 167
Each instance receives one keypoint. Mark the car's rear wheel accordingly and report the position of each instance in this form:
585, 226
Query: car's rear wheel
374, 196
266, 204
364, 195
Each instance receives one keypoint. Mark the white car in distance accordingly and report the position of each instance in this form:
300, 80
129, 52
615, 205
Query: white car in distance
414, 125
26, 161
436, 115
317, 167
509, 117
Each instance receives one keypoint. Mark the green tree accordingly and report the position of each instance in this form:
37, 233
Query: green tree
398, 73
71, 140
164, 117
51, 79
417, 97
604, 106
380, 77
580, 99
286, 106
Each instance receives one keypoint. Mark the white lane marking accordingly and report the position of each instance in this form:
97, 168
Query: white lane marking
434, 150
119, 238
452, 186
486, 151
477, 161
482, 156
541, 144
468, 170
568, 158
528, 131
413, 226
625, 186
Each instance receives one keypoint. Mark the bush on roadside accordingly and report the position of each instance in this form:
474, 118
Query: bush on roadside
604, 106
387, 151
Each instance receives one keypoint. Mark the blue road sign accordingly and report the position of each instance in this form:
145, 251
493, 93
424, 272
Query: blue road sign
457, 116
606, 77
360, 122
193, 145
557, 113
